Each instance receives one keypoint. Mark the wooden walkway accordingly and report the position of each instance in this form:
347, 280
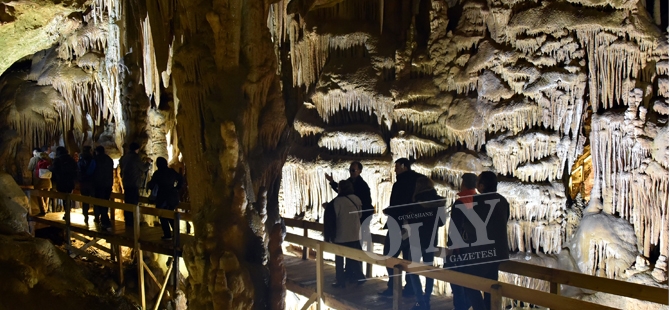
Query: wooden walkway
301, 279
150, 237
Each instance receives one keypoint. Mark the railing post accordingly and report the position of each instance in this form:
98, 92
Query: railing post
175, 252
496, 297
397, 287
68, 233
319, 275
138, 254
555, 288
368, 266
305, 233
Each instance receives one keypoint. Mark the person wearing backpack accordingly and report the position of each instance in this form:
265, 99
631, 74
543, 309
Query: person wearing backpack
165, 185
86, 179
103, 180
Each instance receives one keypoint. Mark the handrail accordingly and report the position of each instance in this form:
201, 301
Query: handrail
554, 276
112, 204
466, 280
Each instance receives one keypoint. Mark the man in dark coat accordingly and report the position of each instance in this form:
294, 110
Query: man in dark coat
103, 180
401, 195
64, 173
86, 178
168, 183
481, 260
133, 176
361, 188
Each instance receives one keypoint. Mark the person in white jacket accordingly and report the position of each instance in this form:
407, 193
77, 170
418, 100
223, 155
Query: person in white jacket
347, 208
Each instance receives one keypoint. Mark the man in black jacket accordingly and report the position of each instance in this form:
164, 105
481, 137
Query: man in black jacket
401, 195
168, 183
133, 176
361, 188
103, 180
481, 260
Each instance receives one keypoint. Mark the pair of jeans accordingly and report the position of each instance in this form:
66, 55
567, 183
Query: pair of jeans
353, 268
103, 212
167, 224
404, 249
86, 190
489, 271
428, 258
131, 195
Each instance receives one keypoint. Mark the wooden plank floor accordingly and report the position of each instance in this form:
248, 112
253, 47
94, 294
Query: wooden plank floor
301, 279
150, 237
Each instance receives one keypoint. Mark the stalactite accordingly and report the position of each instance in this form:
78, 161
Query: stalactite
411, 146
353, 142
151, 76
327, 104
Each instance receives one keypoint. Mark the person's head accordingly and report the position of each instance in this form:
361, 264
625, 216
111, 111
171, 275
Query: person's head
423, 184
355, 169
161, 163
468, 181
345, 187
46, 149
44, 156
402, 165
134, 147
37, 151
487, 182
86, 150
60, 151
99, 150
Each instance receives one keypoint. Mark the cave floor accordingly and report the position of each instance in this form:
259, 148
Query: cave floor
150, 237
301, 279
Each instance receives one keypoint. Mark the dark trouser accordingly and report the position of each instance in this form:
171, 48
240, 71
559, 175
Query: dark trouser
461, 301
131, 195
166, 224
489, 271
354, 268
86, 190
404, 249
416, 282
103, 212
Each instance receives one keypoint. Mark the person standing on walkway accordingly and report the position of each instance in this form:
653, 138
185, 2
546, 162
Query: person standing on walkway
362, 191
64, 171
103, 180
428, 205
133, 176
494, 207
41, 183
86, 186
401, 194
466, 197
347, 210
165, 185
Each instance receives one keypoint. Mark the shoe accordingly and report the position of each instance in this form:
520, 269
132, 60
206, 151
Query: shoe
164, 238
387, 292
339, 285
420, 306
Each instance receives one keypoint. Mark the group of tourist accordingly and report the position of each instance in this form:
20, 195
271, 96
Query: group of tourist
94, 173
415, 212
